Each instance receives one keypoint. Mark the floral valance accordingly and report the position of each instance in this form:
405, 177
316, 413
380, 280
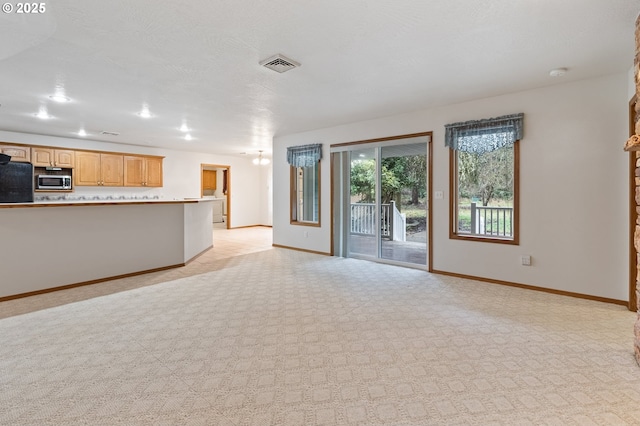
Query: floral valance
304, 155
485, 135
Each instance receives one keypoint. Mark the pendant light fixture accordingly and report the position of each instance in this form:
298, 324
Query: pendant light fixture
260, 160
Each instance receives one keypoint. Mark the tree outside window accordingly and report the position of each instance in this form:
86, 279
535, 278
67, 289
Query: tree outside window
484, 179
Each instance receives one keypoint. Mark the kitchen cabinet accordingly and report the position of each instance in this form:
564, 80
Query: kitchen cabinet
49, 157
142, 171
98, 169
154, 171
17, 153
209, 179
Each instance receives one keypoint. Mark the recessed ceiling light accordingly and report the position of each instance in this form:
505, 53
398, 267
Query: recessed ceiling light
184, 127
43, 114
81, 132
558, 72
58, 97
188, 137
144, 112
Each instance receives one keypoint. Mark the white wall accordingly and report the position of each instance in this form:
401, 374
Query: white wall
198, 224
181, 174
573, 186
266, 192
317, 238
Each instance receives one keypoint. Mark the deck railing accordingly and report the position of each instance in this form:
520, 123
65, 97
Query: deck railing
491, 221
393, 224
399, 224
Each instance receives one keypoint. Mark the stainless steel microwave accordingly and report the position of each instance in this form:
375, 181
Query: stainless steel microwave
53, 182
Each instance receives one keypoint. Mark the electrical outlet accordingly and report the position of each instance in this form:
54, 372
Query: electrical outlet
306, 234
439, 195
526, 260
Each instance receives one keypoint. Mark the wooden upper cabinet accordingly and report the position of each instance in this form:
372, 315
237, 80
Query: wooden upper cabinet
209, 179
17, 153
154, 172
98, 169
87, 171
65, 158
42, 157
111, 168
133, 170
93, 168
142, 171
49, 157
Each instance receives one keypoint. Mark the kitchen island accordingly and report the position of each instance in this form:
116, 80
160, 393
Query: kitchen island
52, 245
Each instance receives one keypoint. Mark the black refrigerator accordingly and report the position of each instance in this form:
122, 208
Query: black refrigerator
16, 181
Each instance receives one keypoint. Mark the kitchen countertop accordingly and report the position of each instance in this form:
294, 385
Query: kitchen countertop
99, 202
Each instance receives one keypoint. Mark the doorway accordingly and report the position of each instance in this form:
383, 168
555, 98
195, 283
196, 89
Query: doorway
381, 194
215, 184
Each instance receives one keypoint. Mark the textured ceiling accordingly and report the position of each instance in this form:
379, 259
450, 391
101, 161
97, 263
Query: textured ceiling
197, 61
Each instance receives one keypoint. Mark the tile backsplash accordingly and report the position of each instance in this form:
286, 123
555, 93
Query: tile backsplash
111, 197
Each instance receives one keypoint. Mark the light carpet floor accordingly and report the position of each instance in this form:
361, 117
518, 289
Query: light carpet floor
227, 243
280, 337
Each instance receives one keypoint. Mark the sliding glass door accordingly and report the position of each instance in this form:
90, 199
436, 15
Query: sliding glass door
381, 192
403, 208
363, 207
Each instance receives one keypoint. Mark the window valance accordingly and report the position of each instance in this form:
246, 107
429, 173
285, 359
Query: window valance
304, 155
485, 135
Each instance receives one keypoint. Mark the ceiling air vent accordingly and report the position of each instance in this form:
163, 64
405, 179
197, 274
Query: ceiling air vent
104, 132
280, 63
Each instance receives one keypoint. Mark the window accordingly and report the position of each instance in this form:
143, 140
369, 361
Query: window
304, 162
484, 166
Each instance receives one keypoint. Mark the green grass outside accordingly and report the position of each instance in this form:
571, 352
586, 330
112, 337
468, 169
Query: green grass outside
495, 225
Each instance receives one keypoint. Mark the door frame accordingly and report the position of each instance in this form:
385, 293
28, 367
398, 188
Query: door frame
207, 166
429, 187
633, 212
